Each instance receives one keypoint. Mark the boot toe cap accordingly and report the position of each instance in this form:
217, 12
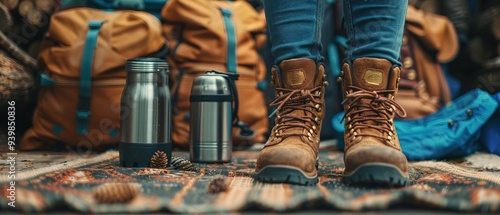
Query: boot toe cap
287, 156
369, 154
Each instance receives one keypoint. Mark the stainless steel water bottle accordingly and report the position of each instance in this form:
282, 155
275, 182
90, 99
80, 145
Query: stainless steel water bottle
145, 116
211, 117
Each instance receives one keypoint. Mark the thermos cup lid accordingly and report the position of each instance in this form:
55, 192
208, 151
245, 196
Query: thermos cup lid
211, 84
146, 64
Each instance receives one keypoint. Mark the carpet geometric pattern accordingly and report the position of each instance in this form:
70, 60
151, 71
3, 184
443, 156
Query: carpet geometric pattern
69, 184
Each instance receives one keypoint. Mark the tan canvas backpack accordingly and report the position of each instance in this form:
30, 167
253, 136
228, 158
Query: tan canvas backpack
224, 36
82, 64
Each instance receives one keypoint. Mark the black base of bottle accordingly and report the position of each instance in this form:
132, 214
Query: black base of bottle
139, 154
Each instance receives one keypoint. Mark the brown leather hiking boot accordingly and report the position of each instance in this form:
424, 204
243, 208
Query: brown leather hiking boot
372, 151
290, 155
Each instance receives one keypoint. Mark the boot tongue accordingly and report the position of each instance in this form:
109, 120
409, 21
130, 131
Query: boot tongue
298, 74
371, 74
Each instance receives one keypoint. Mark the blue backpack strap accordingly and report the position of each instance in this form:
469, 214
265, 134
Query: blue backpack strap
46, 81
333, 54
152, 6
332, 47
231, 40
129, 4
107, 4
83, 109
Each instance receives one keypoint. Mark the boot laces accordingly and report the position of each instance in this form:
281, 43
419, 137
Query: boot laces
377, 113
291, 101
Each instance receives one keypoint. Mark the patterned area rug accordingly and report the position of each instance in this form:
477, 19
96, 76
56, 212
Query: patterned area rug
59, 181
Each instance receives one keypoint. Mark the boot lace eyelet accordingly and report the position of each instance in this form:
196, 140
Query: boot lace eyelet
318, 107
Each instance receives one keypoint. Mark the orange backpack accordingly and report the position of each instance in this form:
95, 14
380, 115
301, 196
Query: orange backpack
216, 35
82, 60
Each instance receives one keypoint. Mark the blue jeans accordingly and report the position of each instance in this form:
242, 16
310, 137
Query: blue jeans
374, 28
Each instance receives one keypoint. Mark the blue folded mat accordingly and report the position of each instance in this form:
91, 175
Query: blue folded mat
452, 131
490, 134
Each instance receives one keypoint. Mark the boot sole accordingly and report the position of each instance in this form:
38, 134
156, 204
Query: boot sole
377, 174
285, 174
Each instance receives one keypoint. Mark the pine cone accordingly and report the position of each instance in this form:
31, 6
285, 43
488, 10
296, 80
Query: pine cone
115, 193
180, 163
218, 184
159, 160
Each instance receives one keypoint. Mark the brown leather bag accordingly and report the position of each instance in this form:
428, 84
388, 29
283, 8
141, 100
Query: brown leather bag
428, 40
82, 60
224, 36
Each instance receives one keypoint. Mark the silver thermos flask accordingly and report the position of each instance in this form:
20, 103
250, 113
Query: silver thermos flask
213, 110
145, 116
